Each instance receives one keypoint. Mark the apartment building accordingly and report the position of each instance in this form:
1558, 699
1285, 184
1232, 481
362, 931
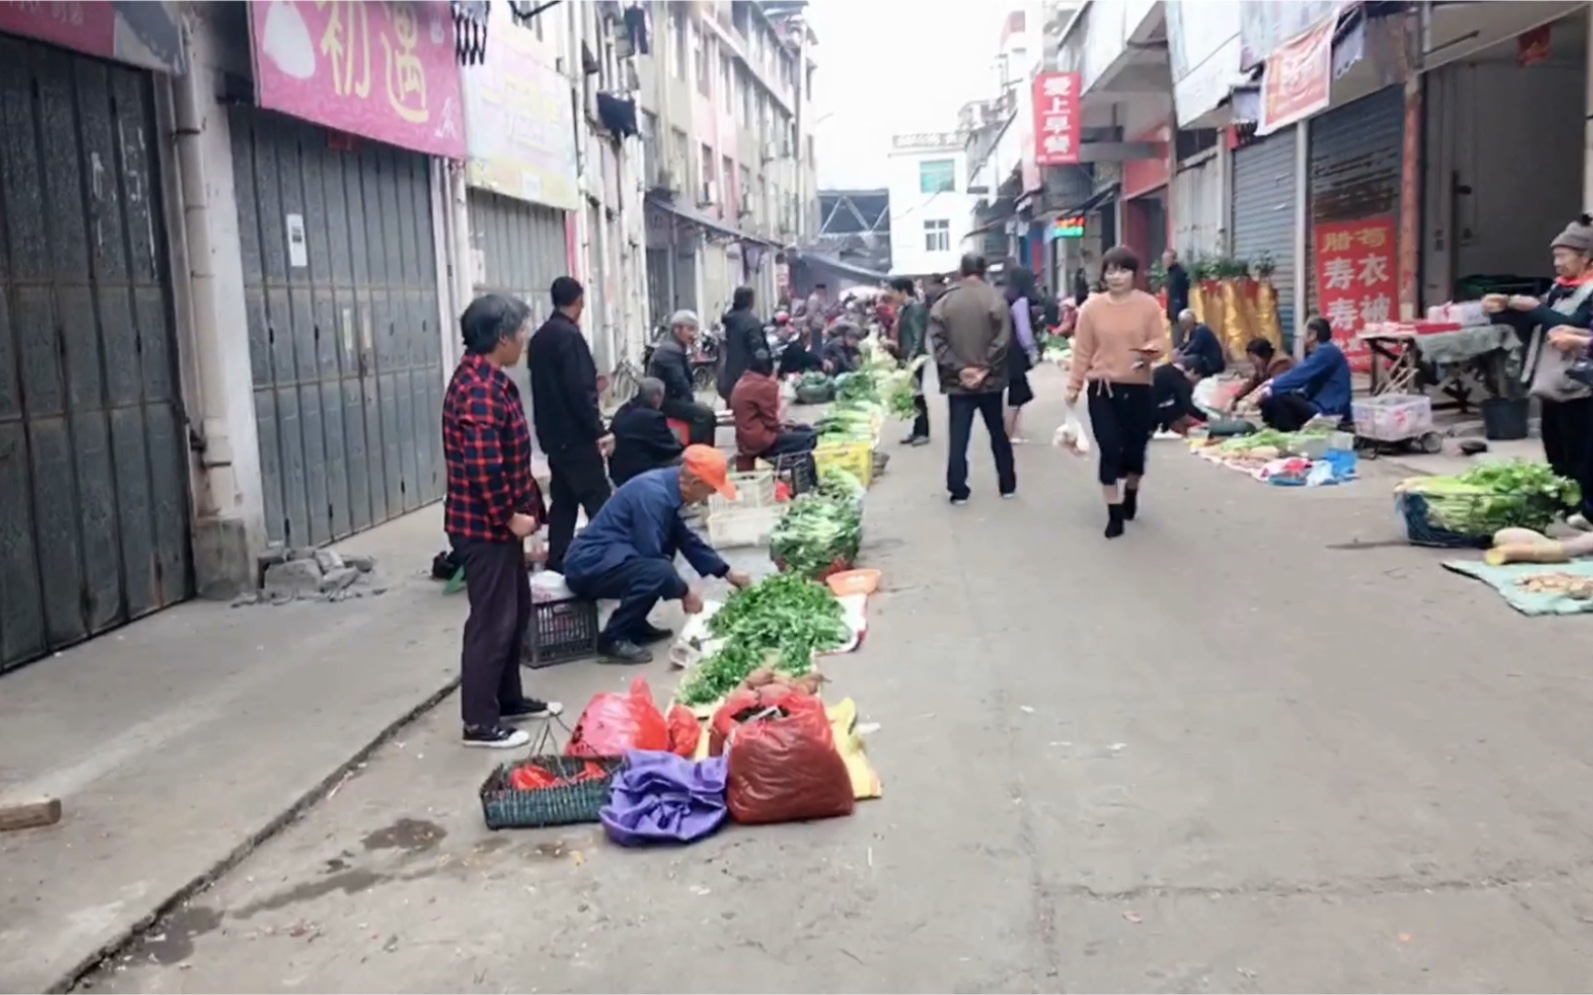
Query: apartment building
729, 154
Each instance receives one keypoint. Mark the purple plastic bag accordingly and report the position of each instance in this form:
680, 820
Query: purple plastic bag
662, 798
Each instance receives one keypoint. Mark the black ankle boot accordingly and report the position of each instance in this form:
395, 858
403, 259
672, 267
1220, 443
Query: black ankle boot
1114, 521
1130, 503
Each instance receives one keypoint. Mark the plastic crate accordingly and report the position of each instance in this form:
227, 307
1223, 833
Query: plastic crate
856, 458
754, 489
560, 631
798, 472
1393, 417
735, 527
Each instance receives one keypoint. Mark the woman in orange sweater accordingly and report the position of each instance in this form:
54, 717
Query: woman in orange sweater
1119, 335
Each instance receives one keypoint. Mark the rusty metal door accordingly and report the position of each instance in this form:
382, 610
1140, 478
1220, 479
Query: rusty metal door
340, 282
94, 509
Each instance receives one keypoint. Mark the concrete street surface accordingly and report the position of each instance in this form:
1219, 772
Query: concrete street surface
1258, 744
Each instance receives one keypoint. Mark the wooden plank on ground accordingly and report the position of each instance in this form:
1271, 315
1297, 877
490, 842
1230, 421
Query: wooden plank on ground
30, 815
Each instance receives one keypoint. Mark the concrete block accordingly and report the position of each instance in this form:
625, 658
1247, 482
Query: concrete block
328, 560
337, 580
223, 566
292, 579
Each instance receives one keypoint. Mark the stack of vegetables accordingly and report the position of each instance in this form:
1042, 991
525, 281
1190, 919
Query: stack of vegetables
1266, 444
814, 388
1487, 498
782, 622
819, 535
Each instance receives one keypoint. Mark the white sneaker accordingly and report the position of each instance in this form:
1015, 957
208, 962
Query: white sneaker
499, 737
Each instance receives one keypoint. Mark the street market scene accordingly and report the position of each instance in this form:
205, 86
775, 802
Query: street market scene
568, 497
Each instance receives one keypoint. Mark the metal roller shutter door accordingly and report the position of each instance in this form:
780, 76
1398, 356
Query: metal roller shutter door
1263, 213
522, 251
1355, 165
94, 489
1197, 209
343, 337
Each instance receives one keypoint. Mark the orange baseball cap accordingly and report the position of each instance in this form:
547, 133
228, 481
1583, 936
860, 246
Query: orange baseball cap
709, 465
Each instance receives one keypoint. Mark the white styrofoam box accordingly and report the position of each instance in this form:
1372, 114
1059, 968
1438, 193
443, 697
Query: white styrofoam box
1393, 417
732, 527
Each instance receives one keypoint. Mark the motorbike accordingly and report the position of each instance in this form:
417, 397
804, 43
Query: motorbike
705, 358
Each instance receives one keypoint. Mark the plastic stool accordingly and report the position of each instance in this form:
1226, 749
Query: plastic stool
745, 463
681, 429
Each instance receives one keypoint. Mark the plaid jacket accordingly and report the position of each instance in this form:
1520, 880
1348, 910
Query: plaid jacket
487, 446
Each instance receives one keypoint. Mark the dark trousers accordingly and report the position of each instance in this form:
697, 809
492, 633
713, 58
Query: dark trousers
920, 406
638, 585
499, 590
988, 406
1122, 418
1567, 428
1287, 412
792, 440
699, 419
579, 482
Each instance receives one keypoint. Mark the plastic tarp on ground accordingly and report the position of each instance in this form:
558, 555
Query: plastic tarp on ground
1507, 581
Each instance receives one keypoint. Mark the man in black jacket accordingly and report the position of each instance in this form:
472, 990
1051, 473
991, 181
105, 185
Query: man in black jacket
643, 439
568, 422
743, 337
671, 363
1177, 294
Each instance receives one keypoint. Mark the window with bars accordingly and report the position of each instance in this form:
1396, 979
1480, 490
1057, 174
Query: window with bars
937, 236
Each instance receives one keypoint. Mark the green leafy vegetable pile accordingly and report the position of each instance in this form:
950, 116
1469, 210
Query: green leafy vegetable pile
1494, 496
817, 531
781, 622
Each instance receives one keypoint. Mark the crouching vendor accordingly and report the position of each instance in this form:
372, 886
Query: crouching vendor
1318, 386
628, 551
1173, 390
755, 403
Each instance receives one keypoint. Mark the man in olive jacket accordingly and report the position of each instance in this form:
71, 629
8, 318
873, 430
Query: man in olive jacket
970, 331
912, 340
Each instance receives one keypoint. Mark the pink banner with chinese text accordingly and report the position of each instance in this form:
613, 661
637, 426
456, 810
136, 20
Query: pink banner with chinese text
1357, 274
384, 70
139, 34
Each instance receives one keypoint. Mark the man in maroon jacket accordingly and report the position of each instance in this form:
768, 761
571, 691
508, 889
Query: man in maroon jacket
493, 504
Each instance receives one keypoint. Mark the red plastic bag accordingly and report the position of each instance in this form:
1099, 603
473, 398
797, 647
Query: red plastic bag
739, 706
684, 732
615, 723
784, 766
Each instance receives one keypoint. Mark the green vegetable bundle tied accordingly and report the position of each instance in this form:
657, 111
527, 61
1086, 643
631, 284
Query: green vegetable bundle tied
817, 531
1494, 496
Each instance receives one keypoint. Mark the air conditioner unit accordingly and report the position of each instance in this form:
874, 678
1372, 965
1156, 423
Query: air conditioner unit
745, 211
710, 194
664, 179
771, 151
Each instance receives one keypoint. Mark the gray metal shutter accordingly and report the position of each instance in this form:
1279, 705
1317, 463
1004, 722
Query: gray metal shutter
94, 461
1263, 213
1355, 165
520, 250
343, 333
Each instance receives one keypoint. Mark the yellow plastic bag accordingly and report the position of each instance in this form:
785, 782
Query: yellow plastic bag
843, 726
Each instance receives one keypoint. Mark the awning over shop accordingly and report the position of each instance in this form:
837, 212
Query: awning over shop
711, 225
1095, 201
840, 267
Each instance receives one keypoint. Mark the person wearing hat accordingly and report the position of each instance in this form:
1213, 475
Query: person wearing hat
671, 363
628, 551
1556, 329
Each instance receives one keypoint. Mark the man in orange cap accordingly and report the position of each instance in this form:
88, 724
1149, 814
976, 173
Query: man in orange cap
628, 551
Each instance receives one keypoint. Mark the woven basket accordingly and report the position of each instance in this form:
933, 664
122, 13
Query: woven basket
1420, 529
504, 807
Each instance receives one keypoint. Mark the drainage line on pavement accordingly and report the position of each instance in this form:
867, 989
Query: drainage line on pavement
107, 953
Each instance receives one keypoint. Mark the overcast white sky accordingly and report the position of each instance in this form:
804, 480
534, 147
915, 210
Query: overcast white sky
895, 66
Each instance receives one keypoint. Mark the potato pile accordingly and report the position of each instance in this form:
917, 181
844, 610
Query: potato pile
1566, 585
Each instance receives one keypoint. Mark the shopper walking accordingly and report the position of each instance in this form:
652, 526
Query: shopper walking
1120, 334
1022, 299
569, 422
492, 505
970, 331
912, 335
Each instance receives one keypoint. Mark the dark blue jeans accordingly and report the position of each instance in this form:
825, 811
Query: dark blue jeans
988, 406
637, 585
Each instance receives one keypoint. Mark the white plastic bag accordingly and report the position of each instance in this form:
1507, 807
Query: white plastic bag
1070, 435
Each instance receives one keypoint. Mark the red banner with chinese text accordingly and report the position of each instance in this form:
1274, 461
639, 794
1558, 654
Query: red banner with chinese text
1056, 119
384, 70
1357, 280
1298, 80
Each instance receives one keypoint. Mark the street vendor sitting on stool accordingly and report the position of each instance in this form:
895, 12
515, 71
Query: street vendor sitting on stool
1318, 386
628, 551
755, 403
1202, 352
